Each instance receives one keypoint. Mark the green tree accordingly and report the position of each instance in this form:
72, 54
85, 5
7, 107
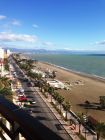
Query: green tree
80, 120
5, 81
53, 74
51, 91
60, 100
102, 101
5, 91
100, 130
5, 88
6, 64
45, 87
30, 63
39, 76
24, 66
56, 95
40, 82
66, 107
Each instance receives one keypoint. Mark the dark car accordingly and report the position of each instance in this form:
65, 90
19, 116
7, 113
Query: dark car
26, 80
29, 84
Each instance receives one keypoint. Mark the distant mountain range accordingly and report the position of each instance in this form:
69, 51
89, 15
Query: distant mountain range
44, 51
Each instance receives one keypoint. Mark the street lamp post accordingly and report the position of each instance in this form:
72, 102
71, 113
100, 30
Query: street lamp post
85, 119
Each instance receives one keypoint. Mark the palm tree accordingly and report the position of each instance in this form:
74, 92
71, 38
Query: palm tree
5, 81
51, 91
1, 84
80, 120
102, 101
40, 85
56, 95
46, 87
30, 62
67, 107
60, 101
6, 65
25, 67
5, 88
39, 76
100, 129
53, 74
5, 91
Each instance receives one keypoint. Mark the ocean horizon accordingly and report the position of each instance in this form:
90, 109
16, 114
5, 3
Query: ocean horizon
87, 64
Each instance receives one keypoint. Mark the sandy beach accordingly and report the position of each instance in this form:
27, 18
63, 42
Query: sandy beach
82, 88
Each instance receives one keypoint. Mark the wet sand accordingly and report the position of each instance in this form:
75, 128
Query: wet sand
89, 88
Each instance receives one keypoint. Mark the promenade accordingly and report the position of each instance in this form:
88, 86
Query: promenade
66, 125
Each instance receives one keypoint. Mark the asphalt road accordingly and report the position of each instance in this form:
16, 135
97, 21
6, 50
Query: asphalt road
42, 112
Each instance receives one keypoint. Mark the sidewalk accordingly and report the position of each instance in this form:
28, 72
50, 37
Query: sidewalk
57, 115
67, 127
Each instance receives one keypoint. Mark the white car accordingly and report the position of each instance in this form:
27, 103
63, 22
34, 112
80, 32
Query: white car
21, 95
21, 90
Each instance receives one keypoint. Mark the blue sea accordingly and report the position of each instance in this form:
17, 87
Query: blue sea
88, 64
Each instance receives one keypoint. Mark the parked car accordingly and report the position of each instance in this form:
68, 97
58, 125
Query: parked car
22, 99
29, 84
31, 101
21, 90
21, 94
26, 80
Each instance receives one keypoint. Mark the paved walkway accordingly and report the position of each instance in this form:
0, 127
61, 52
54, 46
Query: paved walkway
66, 125
57, 115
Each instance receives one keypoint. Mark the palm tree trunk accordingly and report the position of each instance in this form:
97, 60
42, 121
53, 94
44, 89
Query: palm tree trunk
51, 98
79, 128
60, 108
66, 115
98, 136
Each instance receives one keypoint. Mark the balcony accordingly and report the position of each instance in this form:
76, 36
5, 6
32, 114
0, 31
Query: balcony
22, 123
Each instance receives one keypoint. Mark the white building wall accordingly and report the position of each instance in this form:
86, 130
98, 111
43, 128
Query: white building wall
1, 60
1, 53
8, 53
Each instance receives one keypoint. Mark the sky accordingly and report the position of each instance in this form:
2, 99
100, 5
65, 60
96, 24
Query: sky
53, 24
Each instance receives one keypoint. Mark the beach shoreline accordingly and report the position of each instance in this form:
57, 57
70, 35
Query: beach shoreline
94, 77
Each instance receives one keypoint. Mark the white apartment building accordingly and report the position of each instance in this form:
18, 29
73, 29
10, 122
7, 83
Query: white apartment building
1, 53
4, 54
1, 61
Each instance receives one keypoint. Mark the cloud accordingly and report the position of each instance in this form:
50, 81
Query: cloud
2, 17
67, 49
35, 26
15, 22
10, 37
100, 43
48, 43
7, 26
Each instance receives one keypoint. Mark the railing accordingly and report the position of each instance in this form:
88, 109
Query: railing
22, 123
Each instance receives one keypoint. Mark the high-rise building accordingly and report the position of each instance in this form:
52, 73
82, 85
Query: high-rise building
6, 53
1, 53
1, 61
